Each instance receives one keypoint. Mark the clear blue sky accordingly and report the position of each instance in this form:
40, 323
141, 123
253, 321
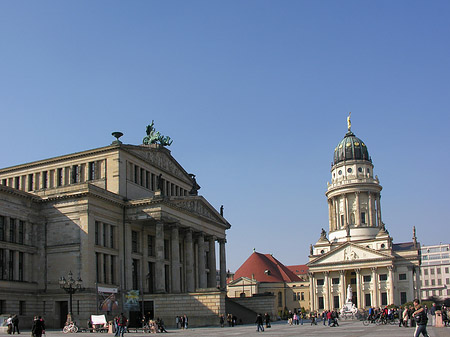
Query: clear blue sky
255, 95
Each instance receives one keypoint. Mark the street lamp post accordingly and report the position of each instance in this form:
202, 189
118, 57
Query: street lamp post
71, 286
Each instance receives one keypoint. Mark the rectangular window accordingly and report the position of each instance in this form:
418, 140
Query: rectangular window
336, 302
91, 169
152, 185
383, 277
447, 280
151, 277
75, 174
20, 266
21, 235
335, 280
112, 236
368, 300
17, 183
367, 278
105, 227
150, 245
2, 228
280, 299
439, 281
446, 270
134, 243
425, 271
302, 296
147, 179
30, 182
438, 270
167, 250
97, 267
352, 281
113, 269
4, 182
11, 265
363, 217
44, 179
402, 277
321, 306
426, 282
384, 299
320, 282
432, 271
105, 269
403, 299
2, 265
141, 178
12, 230
433, 282
136, 173
135, 274
22, 308
97, 228
59, 177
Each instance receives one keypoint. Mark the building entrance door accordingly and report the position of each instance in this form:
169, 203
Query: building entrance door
63, 311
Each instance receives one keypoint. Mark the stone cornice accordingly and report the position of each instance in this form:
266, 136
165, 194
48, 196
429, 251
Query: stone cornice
58, 159
19, 193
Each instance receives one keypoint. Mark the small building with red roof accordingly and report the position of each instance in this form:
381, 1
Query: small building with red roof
264, 274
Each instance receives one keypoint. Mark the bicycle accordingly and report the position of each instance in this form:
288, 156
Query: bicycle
71, 327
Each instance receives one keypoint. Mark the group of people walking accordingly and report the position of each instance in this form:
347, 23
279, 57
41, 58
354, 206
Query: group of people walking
182, 322
37, 327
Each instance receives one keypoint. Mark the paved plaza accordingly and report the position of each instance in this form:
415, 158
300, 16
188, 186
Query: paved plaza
346, 329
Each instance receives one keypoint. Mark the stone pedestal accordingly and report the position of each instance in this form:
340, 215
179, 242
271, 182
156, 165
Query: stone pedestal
439, 322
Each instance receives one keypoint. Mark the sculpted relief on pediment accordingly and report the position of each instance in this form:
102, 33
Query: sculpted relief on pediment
196, 206
350, 253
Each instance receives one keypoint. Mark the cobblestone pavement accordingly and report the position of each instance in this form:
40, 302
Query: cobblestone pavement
346, 329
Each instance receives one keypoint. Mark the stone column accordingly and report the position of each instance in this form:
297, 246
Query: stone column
345, 211
391, 284
358, 288
212, 262
312, 291
326, 292
410, 277
358, 210
416, 292
343, 288
370, 215
175, 261
330, 215
201, 261
336, 213
189, 247
160, 275
379, 210
223, 265
374, 286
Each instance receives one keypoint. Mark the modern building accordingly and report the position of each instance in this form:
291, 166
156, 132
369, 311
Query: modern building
358, 249
435, 271
125, 219
264, 274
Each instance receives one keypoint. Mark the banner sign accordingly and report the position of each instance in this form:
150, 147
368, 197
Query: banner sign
132, 300
108, 301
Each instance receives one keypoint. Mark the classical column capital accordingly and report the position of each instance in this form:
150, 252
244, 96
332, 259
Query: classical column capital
222, 241
374, 269
390, 268
358, 271
342, 272
326, 273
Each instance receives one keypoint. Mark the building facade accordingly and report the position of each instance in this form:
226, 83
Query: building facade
435, 271
358, 249
125, 219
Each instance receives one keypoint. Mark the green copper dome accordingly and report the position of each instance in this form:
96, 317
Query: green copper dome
351, 148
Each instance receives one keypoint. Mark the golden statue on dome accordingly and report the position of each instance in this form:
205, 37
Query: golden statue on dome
349, 123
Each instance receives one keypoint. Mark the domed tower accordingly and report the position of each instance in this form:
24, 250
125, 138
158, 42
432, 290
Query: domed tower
354, 193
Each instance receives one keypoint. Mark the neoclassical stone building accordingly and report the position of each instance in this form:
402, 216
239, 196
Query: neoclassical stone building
359, 250
120, 217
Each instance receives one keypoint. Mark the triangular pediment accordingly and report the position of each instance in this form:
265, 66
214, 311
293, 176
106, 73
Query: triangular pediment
161, 158
199, 206
349, 253
241, 280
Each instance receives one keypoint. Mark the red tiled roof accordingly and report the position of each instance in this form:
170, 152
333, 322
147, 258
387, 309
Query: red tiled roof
265, 268
300, 269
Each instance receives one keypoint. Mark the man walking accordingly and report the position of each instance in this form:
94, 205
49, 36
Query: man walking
259, 323
420, 316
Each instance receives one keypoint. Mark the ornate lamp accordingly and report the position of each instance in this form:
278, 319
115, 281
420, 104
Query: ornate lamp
70, 286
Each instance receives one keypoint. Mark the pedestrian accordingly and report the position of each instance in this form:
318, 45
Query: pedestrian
433, 314
267, 320
116, 326
222, 320
185, 321
324, 316
38, 326
15, 324
420, 316
259, 323
9, 325
122, 323
160, 324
